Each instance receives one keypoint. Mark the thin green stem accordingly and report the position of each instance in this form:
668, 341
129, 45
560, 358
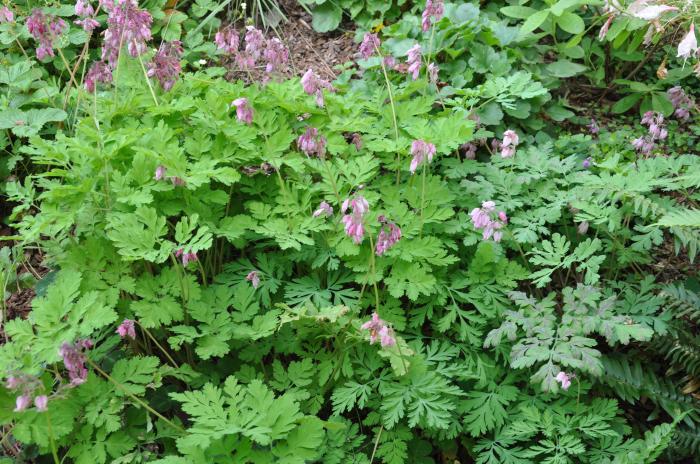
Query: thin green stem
148, 81
422, 197
163, 350
134, 397
52, 441
393, 114
373, 268
70, 71
376, 443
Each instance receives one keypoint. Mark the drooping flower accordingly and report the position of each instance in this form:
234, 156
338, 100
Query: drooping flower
22, 402
13, 382
324, 209
186, 257
420, 150
276, 54
389, 234
227, 40
657, 131
565, 380
369, 46
433, 9
99, 72
311, 143
356, 140
127, 329
83, 9
6, 15
509, 144
254, 43
652, 12
488, 221
41, 403
593, 127
414, 61
689, 45
165, 65
88, 24
74, 360
160, 172
314, 85
45, 29
469, 150
127, 24
433, 73
244, 112
681, 102
582, 228
354, 227
379, 330
177, 181
254, 278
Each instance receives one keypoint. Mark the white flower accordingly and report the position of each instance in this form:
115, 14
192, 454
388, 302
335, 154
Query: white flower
689, 44
653, 12
202, 62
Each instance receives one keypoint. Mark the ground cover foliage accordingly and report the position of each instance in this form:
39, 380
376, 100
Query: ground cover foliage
444, 255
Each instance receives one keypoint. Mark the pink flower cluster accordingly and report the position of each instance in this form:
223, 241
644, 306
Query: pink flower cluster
509, 144
45, 29
657, 131
273, 51
314, 85
490, 222
379, 330
682, 103
433, 9
389, 234
254, 278
369, 46
127, 329
28, 385
6, 15
165, 65
99, 72
414, 61
354, 228
421, 150
186, 258
565, 380
311, 143
244, 112
324, 209
127, 24
74, 360
469, 150
84, 10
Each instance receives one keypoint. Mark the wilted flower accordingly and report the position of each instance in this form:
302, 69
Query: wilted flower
565, 380
582, 228
6, 15
681, 102
414, 61
509, 144
370, 44
356, 140
604, 30
244, 112
227, 40
311, 143
324, 209
74, 360
487, 220
126, 24
420, 150
434, 9
127, 329
186, 257
469, 150
652, 12
379, 330
689, 45
41, 403
593, 127
165, 65
253, 278
643, 145
389, 234
99, 72
22, 402
177, 181
433, 73
276, 54
314, 85
354, 228
83, 9
254, 42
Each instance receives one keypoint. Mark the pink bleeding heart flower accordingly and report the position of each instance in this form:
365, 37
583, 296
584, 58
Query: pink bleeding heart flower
244, 112
689, 45
127, 329
565, 380
421, 151
41, 403
254, 278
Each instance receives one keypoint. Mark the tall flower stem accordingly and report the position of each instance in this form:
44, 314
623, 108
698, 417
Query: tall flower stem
167, 355
376, 443
373, 268
52, 441
422, 198
134, 397
393, 114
